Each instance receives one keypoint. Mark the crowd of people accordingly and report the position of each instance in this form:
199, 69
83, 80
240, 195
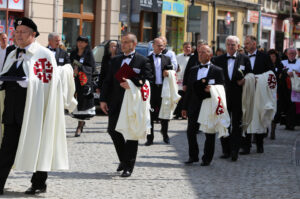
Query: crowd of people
237, 94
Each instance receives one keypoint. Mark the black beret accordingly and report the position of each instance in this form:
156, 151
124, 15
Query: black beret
27, 22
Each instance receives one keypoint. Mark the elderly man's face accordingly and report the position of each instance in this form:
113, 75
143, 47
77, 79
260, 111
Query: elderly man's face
54, 42
291, 54
3, 40
231, 47
24, 36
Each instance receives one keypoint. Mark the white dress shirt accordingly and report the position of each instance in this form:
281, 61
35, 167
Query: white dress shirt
22, 55
158, 69
128, 60
291, 66
230, 65
182, 61
202, 72
252, 59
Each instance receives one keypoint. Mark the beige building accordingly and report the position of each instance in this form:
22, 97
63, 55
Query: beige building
96, 19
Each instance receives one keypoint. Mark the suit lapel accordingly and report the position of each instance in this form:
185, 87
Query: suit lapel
226, 67
57, 54
150, 57
256, 61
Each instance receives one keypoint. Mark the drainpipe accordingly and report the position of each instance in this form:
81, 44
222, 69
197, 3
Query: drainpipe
214, 26
108, 20
55, 13
258, 26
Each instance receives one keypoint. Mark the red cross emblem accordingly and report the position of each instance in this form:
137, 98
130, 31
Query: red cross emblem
43, 70
145, 92
272, 81
220, 108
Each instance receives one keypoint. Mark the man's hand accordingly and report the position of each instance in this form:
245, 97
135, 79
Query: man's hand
241, 82
125, 84
104, 107
165, 73
207, 89
183, 114
98, 90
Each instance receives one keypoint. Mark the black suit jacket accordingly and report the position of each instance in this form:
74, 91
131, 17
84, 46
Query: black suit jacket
191, 101
193, 61
262, 63
61, 57
233, 90
8, 50
164, 62
112, 93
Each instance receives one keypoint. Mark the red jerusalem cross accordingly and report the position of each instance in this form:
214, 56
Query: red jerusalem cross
220, 109
272, 81
43, 70
145, 92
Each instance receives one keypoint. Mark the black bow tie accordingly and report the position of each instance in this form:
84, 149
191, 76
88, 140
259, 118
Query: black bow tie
253, 55
292, 62
127, 56
203, 66
54, 50
188, 55
157, 55
20, 50
230, 57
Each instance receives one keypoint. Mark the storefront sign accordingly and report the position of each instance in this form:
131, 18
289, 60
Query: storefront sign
228, 18
266, 23
252, 16
3, 3
16, 4
194, 19
151, 5
173, 8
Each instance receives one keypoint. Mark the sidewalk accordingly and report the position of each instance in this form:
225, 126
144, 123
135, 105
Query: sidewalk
160, 172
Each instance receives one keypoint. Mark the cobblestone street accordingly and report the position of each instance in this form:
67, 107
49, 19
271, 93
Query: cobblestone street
160, 172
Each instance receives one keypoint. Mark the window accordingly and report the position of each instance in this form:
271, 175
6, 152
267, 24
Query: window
79, 17
223, 31
146, 25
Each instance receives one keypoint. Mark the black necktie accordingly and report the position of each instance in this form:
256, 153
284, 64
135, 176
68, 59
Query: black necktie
230, 57
20, 50
292, 62
203, 66
127, 56
158, 55
253, 55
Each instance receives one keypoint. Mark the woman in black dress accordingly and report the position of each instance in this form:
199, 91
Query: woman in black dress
83, 63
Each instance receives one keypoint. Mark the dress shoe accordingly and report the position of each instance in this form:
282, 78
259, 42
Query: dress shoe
120, 167
126, 173
148, 143
191, 161
234, 156
260, 150
32, 190
205, 164
167, 140
225, 156
244, 152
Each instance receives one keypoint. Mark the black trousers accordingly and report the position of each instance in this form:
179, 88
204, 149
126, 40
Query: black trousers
163, 130
178, 109
292, 118
126, 149
8, 153
231, 144
209, 145
246, 141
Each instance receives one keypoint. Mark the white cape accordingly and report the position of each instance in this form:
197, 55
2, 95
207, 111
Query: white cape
134, 119
43, 145
264, 104
213, 116
170, 96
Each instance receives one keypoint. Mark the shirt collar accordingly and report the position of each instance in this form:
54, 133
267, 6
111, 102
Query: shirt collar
234, 55
131, 53
254, 53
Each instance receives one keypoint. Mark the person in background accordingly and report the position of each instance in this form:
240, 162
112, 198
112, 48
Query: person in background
169, 53
61, 56
110, 51
298, 52
83, 62
182, 60
277, 68
220, 51
11, 47
3, 46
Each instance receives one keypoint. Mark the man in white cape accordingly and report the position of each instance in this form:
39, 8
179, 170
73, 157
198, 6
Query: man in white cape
33, 113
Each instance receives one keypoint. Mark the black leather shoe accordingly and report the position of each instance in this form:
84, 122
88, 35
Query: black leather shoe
126, 173
191, 161
244, 152
120, 167
225, 156
205, 164
167, 140
32, 190
148, 143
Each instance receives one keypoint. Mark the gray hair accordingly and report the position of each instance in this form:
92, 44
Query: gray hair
290, 49
233, 38
52, 35
202, 42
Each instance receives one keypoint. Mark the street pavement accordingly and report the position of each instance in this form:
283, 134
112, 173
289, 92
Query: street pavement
160, 172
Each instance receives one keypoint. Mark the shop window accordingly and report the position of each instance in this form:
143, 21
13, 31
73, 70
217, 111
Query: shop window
10, 10
79, 17
146, 26
223, 31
